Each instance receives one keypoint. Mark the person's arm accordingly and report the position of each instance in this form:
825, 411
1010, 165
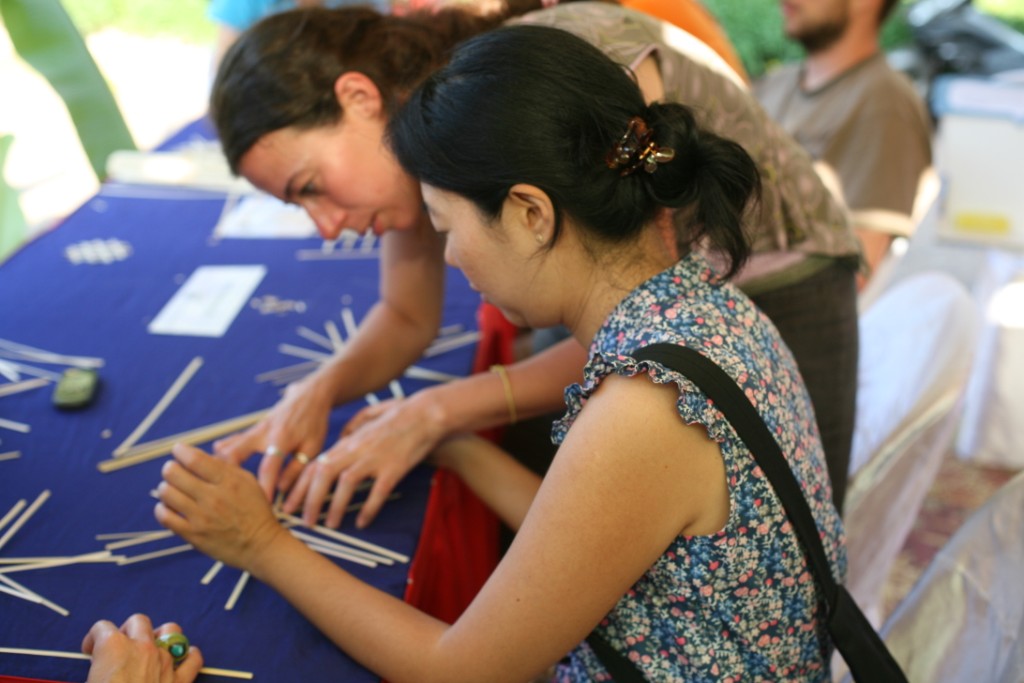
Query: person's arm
384, 442
880, 156
502, 482
628, 463
393, 334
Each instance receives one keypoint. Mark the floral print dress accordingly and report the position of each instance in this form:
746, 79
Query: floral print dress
740, 604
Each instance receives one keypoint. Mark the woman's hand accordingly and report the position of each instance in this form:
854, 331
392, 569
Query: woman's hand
296, 426
131, 655
217, 507
382, 442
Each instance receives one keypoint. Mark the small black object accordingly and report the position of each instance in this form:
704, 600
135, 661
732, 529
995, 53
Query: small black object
76, 389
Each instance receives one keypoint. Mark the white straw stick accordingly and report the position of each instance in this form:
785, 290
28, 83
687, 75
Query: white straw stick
18, 594
299, 352
154, 449
47, 563
32, 596
120, 534
242, 580
444, 345
9, 455
212, 573
155, 554
8, 370
161, 405
140, 539
417, 372
328, 547
340, 554
19, 387
15, 509
351, 540
396, 389
348, 553
15, 426
349, 321
209, 671
40, 499
32, 353
336, 255
335, 336
449, 330
297, 370
48, 375
315, 337
99, 555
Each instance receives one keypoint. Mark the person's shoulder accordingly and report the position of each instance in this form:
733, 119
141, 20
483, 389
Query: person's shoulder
883, 88
784, 75
591, 16
876, 77
621, 33
776, 87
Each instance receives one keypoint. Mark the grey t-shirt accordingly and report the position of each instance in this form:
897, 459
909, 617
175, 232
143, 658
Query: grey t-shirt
868, 124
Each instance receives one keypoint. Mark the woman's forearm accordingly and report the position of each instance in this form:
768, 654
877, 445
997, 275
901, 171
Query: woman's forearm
352, 614
480, 401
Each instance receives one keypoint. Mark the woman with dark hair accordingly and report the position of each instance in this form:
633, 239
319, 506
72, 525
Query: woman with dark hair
550, 177
301, 104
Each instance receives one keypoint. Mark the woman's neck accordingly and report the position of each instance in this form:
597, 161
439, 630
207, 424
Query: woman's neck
611, 276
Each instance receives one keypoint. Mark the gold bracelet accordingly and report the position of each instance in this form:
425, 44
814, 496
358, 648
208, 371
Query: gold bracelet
501, 372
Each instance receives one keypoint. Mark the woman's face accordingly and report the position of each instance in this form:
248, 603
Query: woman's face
501, 259
343, 175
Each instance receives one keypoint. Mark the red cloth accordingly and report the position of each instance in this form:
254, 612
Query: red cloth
460, 534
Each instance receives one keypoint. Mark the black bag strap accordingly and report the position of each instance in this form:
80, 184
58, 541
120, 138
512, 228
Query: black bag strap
856, 639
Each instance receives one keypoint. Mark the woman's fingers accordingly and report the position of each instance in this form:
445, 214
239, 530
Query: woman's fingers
98, 633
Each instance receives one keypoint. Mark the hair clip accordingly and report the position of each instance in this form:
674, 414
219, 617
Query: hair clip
635, 149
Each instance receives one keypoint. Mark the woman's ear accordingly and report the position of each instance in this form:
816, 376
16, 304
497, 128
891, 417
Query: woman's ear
357, 93
529, 210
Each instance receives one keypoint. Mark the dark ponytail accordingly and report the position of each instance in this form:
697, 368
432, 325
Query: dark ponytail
713, 175
537, 105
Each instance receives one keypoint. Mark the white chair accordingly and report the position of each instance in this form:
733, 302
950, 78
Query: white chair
916, 346
923, 219
963, 622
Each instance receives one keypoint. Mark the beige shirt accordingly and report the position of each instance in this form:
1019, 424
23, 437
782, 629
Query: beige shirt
799, 217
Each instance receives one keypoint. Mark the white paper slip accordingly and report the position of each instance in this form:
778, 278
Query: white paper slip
261, 216
209, 301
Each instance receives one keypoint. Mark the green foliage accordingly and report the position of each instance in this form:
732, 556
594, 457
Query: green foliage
755, 27
183, 19
1010, 11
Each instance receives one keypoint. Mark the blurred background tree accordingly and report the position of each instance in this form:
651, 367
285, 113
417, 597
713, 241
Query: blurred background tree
755, 27
182, 19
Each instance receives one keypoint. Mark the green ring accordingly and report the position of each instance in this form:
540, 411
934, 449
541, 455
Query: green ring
176, 644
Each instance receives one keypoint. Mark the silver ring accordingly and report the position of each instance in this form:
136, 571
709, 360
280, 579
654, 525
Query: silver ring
302, 458
322, 457
271, 452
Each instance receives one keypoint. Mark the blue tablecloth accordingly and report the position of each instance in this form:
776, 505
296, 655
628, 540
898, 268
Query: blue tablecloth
103, 310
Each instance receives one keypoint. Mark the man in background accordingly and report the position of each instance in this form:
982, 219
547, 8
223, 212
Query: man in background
854, 113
